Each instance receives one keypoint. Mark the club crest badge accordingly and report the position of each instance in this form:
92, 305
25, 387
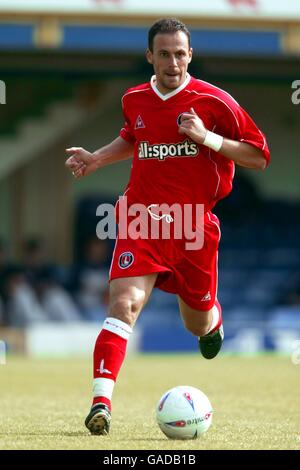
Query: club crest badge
125, 260
179, 119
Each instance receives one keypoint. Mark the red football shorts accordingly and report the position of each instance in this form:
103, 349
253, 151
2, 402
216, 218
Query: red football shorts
191, 274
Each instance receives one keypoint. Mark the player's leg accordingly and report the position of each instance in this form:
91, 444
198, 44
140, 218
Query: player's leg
197, 322
207, 325
197, 282
127, 298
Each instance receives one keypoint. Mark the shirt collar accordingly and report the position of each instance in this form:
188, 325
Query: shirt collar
172, 93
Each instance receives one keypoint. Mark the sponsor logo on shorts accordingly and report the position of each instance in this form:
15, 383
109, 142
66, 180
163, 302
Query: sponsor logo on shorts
126, 259
206, 297
162, 151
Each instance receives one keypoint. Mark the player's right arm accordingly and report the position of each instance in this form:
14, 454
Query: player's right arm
82, 163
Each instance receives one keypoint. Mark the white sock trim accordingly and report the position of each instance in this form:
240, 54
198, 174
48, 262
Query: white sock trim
103, 388
118, 327
215, 318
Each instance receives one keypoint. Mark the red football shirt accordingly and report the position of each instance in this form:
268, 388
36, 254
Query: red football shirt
169, 167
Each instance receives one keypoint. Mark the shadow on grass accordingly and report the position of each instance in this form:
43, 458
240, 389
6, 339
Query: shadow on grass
140, 439
81, 434
43, 433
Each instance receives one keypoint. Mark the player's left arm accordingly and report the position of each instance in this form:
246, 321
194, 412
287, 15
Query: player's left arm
241, 153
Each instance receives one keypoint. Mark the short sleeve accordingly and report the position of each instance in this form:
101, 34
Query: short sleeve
249, 132
127, 132
238, 125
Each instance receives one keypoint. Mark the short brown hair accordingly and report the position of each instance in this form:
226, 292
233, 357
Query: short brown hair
166, 26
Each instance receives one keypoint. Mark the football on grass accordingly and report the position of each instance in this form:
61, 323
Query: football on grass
184, 412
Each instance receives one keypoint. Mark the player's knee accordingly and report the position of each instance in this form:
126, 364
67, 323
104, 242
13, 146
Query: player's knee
126, 308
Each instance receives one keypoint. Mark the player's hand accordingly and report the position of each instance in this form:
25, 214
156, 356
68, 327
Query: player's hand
193, 126
81, 162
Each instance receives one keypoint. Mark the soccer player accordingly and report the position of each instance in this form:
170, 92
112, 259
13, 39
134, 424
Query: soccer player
185, 136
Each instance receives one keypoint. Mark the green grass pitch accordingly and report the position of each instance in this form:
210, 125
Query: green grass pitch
256, 402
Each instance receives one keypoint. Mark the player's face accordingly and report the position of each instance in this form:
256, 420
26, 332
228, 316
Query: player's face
170, 58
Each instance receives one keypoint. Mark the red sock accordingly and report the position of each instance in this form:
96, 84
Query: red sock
217, 317
109, 354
